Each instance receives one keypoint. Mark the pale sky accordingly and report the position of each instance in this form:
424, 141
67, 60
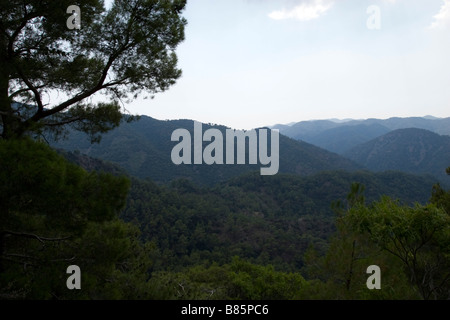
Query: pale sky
252, 63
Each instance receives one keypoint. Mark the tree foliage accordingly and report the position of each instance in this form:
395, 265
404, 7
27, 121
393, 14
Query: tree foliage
417, 236
238, 279
54, 214
121, 52
250, 238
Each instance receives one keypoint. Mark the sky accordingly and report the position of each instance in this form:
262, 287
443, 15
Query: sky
253, 63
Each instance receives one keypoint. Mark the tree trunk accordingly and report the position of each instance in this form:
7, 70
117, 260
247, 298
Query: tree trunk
5, 103
350, 272
2, 250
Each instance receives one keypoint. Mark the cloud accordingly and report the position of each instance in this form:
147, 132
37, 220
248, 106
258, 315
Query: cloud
442, 19
306, 11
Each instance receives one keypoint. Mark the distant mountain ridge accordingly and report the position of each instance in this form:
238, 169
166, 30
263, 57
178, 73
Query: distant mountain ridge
143, 148
357, 140
409, 150
343, 138
320, 133
429, 122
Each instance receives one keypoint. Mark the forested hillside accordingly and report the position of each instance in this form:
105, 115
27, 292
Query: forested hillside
345, 137
222, 242
114, 209
143, 148
410, 150
266, 220
260, 221
342, 136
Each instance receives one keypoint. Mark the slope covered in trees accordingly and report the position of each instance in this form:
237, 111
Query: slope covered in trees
253, 237
143, 148
409, 150
259, 257
250, 237
266, 220
343, 138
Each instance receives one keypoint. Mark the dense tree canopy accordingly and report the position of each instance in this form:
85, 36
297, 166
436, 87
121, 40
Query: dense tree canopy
54, 214
419, 237
47, 71
245, 239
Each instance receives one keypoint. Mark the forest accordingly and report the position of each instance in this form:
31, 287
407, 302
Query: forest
253, 237
140, 228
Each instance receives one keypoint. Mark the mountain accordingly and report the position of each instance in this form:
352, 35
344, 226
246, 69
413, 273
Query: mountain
409, 150
305, 130
92, 164
430, 117
265, 219
437, 125
341, 136
143, 148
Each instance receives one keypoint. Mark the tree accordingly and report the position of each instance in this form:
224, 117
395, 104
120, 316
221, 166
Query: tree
341, 272
440, 197
240, 280
54, 214
418, 236
409, 244
121, 52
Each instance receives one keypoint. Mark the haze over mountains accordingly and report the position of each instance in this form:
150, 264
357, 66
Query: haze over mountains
342, 132
415, 145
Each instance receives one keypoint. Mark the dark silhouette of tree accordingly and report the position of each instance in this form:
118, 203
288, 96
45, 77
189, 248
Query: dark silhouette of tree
121, 52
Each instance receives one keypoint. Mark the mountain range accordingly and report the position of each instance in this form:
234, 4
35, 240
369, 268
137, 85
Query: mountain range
196, 214
409, 150
414, 145
341, 136
143, 149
